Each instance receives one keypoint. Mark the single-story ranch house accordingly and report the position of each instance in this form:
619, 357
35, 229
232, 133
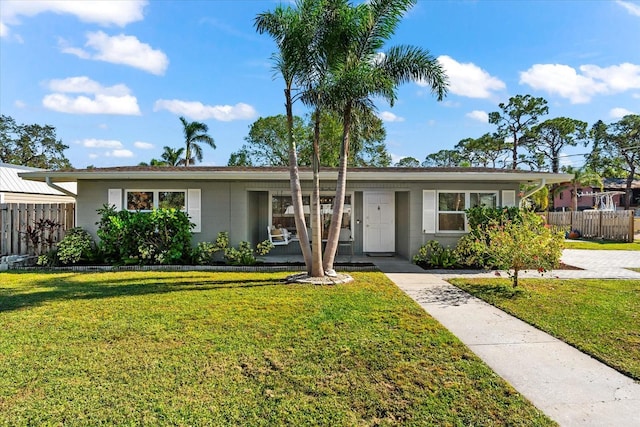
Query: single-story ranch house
392, 210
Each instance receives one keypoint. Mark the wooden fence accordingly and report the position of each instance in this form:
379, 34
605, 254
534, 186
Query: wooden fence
18, 219
592, 224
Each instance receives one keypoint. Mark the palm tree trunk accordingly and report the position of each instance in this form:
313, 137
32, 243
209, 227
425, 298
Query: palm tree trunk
316, 224
296, 190
341, 190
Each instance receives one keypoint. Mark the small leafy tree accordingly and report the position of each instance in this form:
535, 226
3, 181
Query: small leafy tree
522, 245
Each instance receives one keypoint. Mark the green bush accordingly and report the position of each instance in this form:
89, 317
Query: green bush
76, 246
162, 236
244, 254
434, 255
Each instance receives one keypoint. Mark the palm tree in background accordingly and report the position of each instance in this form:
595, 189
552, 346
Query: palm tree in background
194, 134
172, 156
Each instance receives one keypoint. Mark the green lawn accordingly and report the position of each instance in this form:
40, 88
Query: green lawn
602, 245
200, 348
599, 317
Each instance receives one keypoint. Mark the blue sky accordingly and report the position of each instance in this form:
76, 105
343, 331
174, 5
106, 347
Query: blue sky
113, 77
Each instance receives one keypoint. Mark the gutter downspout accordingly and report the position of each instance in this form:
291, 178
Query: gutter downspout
60, 189
540, 186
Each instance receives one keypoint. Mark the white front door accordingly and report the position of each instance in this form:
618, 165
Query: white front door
379, 222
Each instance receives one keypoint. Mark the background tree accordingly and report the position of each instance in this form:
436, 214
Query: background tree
487, 151
266, 144
408, 162
31, 145
515, 121
550, 137
621, 149
443, 159
195, 133
172, 156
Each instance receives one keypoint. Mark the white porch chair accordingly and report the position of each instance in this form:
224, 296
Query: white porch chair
278, 236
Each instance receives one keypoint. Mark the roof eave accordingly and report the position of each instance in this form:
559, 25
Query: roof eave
234, 175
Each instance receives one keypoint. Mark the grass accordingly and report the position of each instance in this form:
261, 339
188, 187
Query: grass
602, 245
198, 348
599, 317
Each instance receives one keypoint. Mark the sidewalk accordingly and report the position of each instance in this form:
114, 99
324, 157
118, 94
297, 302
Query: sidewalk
567, 385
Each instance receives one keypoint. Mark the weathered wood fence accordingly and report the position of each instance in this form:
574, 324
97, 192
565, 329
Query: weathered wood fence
17, 219
592, 224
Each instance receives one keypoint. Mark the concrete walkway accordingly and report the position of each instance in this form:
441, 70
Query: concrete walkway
567, 385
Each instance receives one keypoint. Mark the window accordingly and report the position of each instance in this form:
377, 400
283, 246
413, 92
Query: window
451, 207
147, 200
282, 212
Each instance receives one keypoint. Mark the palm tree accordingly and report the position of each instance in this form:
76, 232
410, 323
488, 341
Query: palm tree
365, 73
172, 156
195, 133
583, 176
289, 28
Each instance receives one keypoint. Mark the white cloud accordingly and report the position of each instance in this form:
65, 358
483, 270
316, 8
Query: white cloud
632, 8
467, 79
93, 156
106, 100
19, 104
101, 143
579, 88
388, 116
121, 49
478, 115
618, 112
143, 145
83, 84
121, 153
636, 95
198, 111
100, 12
617, 78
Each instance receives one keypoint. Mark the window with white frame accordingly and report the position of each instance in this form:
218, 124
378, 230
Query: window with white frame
282, 212
452, 205
147, 200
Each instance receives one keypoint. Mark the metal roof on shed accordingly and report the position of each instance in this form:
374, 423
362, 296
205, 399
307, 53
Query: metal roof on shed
10, 182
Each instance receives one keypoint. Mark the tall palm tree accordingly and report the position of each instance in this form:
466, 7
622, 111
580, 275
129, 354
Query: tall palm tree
195, 133
172, 156
290, 29
365, 72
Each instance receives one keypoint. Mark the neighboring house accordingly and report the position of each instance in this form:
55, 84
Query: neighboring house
393, 210
14, 189
562, 200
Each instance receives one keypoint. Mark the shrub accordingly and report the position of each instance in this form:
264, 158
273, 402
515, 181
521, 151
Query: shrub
244, 254
76, 246
434, 255
522, 245
49, 259
162, 236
